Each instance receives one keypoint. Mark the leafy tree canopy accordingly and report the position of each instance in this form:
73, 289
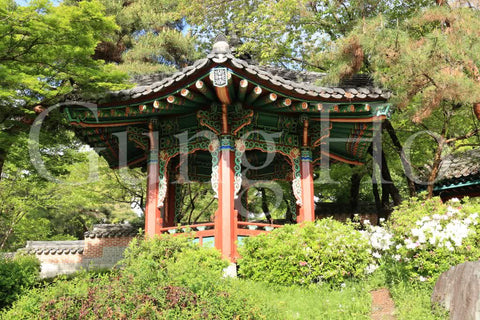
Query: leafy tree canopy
46, 52
430, 62
151, 37
286, 30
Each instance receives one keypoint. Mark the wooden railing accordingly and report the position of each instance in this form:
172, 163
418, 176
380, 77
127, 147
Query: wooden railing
204, 230
254, 228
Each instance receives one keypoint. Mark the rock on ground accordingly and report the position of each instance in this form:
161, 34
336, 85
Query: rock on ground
458, 290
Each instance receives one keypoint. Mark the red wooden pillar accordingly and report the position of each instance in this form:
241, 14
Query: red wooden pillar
153, 217
226, 216
306, 212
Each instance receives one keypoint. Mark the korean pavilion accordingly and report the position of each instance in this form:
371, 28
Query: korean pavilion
205, 122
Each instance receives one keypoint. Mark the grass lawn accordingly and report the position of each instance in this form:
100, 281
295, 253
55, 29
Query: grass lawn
316, 302
352, 301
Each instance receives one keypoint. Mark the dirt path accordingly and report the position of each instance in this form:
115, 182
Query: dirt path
383, 307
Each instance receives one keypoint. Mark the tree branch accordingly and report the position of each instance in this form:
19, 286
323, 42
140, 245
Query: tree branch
466, 136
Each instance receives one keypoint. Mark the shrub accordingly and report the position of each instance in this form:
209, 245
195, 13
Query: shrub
173, 258
168, 277
16, 276
325, 251
424, 238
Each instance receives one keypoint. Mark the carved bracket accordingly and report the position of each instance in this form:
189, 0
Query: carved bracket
139, 136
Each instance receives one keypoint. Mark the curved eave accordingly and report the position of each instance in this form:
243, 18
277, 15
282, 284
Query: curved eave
165, 100
251, 73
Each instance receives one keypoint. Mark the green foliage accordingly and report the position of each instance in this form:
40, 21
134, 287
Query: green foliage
34, 208
162, 278
198, 203
173, 257
327, 251
430, 62
46, 49
277, 31
413, 301
17, 275
430, 237
151, 37
350, 301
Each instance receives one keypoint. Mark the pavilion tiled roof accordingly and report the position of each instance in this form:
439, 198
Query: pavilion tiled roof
360, 87
460, 166
276, 98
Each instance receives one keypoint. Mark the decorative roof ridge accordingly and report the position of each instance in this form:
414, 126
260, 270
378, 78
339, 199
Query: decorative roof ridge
54, 247
111, 231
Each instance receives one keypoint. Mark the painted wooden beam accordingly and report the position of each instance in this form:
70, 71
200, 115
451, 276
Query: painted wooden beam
242, 90
205, 90
192, 96
179, 101
254, 94
269, 98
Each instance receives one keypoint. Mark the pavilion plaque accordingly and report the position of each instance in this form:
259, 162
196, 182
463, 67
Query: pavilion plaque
219, 77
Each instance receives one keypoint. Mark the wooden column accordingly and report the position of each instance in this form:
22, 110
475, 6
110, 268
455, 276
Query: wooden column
306, 211
226, 216
153, 218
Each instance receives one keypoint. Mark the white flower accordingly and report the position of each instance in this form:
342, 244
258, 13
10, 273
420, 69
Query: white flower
376, 255
425, 219
448, 245
343, 285
422, 278
381, 220
397, 257
474, 217
454, 200
451, 211
409, 244
371, 268
366, 221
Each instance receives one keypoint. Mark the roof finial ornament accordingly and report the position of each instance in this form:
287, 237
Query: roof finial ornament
220, 45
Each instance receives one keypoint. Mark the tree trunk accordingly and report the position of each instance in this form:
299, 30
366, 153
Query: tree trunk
407, 168
376, 195
387, 182
288, 214
435, 168
265, 205
437, 159
3, 157
354, 191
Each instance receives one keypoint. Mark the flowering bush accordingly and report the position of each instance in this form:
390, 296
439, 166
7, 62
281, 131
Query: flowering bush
325, 251
425, 238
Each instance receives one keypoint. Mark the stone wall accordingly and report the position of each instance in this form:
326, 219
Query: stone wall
103, 247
